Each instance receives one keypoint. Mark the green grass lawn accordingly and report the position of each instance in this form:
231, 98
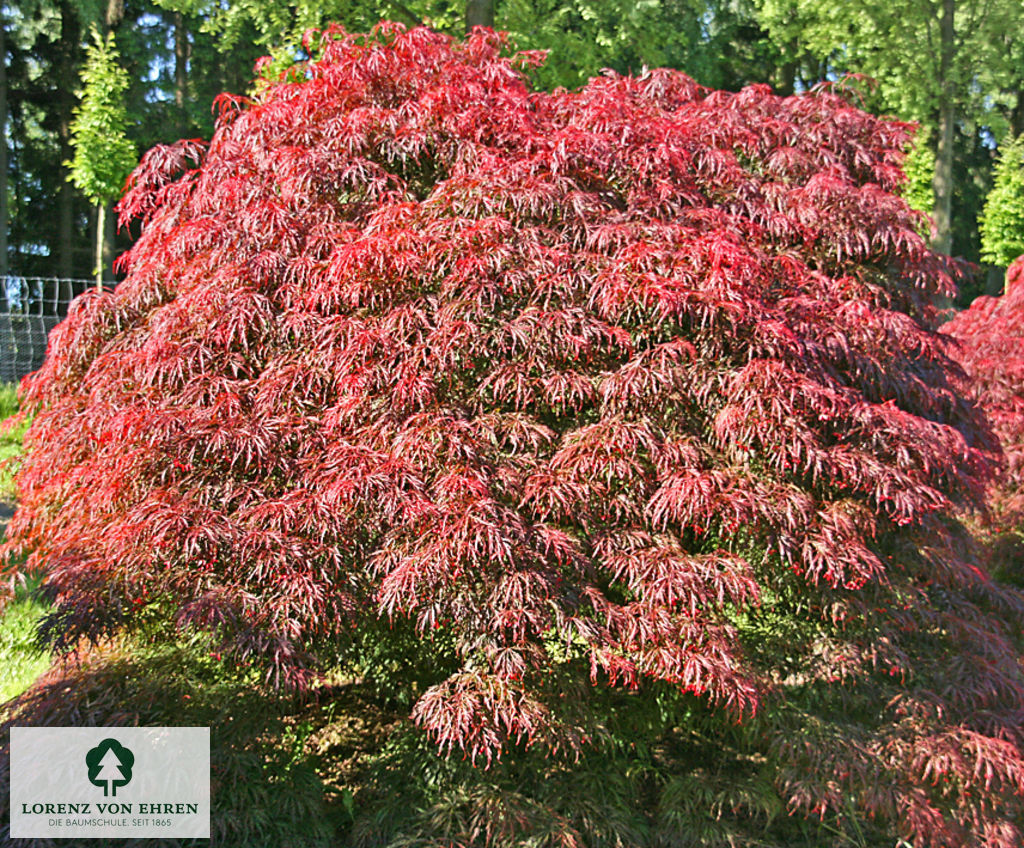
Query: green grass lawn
21, 660
10, 441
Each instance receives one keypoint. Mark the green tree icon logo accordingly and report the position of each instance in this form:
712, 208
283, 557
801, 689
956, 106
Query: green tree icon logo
110, 765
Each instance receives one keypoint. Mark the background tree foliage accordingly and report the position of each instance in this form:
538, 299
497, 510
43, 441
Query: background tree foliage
952, 65
50, 223
1002, 220
919, 166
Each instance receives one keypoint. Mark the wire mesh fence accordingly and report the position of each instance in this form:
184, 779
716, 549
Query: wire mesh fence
29, 308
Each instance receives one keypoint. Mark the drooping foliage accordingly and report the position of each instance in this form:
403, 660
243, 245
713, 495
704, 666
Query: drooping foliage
622, 399
991, 348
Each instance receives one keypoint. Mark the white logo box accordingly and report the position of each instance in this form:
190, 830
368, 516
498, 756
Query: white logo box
138, 782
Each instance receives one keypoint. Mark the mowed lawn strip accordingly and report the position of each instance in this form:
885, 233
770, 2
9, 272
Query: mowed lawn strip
21, 659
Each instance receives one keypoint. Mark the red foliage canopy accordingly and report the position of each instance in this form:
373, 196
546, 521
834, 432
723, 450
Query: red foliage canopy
991, 349
588, 378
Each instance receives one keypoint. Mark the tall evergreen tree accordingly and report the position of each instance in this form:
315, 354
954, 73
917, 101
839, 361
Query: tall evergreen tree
1002, 222
919, 167
3, 144
47, 217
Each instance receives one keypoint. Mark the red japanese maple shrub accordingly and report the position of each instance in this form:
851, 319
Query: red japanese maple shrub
991, 349
637, 386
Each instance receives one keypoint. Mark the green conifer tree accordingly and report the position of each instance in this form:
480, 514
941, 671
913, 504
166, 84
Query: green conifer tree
104, 156
919, 166
1002, 220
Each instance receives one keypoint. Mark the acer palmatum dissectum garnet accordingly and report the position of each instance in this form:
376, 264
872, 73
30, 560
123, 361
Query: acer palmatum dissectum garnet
990, 337
639, 382
989, 345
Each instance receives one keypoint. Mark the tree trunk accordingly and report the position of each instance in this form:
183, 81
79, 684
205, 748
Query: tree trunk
3, 148
787, 75
1017, 115
109, 241
181, 57
232, 74
115, 14
479, 13
942, 182
70, 36
101, 226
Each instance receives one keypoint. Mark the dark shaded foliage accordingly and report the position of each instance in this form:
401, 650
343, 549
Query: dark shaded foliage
990, 338
264, 789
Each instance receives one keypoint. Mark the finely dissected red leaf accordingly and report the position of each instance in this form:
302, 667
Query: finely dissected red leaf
990, 345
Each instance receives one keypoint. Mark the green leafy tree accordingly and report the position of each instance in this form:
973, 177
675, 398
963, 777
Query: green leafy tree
273, 23
104, 156
1002, 221
584, 36
175, 69
718, 41
919, 166
41, 53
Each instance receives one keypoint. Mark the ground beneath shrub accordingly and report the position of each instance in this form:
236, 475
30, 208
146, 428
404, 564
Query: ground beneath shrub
6, 512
